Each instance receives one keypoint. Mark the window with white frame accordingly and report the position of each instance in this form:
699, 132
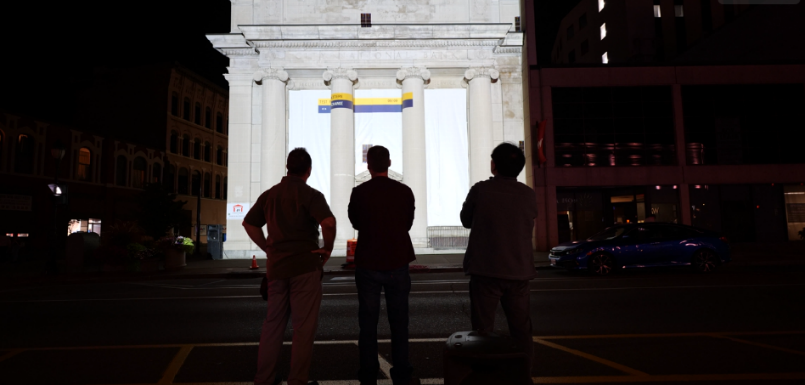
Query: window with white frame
601, 4
603, 31
604, 58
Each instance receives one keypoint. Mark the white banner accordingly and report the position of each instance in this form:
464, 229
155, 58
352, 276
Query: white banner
447, 155
310, 128
378, 123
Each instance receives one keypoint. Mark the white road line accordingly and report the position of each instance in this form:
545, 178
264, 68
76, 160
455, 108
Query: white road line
412, 293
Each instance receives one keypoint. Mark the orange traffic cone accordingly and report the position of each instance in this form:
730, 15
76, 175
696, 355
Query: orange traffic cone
254, 263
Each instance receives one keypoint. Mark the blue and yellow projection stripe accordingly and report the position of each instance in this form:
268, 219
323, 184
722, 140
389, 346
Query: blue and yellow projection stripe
366, 105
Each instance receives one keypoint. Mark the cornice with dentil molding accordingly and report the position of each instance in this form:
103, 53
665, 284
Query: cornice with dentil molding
376, 43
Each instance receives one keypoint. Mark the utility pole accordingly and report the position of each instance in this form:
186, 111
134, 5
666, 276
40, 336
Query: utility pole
198, 216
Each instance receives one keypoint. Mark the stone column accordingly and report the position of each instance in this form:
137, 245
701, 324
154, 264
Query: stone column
238, 244
272, 139
479, 81
342, 149
413, 139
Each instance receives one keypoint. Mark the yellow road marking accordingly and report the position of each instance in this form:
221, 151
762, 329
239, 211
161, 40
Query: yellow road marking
10, 354
670, 378
591, 357
658, 335
759, 344
175, 365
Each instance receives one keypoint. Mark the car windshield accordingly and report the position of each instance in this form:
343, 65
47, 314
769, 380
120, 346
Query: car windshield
610, 233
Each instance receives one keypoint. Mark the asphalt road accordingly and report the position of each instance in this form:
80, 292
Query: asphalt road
668, 326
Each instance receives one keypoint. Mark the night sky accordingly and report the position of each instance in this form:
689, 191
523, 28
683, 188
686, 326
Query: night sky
50, 47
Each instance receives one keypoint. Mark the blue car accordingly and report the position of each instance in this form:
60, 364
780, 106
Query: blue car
643, 245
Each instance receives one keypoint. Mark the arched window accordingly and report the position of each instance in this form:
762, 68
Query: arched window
174, 144
219, 122
186, 109
182, 181
121, 166
24, 155
138, 172
225, 187
186, 145
175, 104
217, 187
197, 149
197, 114
169, 182
207, 185
156, 173
207, 152
84, 164
219, 156
208, 118
196, 183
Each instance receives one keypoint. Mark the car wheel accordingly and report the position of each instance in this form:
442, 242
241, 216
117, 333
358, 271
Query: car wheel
601, 264
704, 261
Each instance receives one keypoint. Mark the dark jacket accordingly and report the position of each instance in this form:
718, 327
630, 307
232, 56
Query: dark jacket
382, 210
500, 211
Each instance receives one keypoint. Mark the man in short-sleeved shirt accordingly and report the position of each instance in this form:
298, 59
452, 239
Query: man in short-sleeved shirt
292, 212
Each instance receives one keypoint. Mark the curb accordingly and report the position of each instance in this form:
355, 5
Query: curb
154, 276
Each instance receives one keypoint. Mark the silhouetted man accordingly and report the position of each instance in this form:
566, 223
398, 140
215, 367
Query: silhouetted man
291, 212
382, 210
499, 259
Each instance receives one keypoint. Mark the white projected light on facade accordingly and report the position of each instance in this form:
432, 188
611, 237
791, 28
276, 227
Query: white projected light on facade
439, 85
378, 121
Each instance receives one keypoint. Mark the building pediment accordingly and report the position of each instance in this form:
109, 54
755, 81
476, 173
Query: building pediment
365, 176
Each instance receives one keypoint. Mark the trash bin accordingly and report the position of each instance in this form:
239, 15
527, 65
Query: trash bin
476, 358
215, 244
80, 247
352, 244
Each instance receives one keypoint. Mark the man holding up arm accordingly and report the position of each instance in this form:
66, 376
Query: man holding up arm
291, 212
499, 259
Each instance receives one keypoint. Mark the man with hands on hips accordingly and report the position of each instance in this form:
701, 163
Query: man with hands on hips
292, 212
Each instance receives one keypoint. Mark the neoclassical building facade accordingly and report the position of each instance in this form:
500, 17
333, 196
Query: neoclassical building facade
277, 47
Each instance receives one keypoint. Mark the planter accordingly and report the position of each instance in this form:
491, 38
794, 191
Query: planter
174, 259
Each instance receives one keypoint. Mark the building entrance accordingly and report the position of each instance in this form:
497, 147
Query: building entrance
583, 212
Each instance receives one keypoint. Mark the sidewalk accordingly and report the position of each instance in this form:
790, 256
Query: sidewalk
33, 271
746, 254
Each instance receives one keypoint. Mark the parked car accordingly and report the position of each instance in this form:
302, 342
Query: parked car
639, 245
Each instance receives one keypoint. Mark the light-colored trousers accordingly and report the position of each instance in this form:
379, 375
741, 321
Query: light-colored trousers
299, 298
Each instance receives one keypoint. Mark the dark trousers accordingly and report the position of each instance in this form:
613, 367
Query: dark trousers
514, 297
397, 285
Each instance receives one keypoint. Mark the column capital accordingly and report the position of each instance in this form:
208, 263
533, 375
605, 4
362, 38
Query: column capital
340, 73
481, 72
413, 72
271, 73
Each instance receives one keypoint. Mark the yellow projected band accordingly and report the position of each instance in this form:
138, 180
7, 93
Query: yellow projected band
341, 97
364, 101
408, 95
378, 101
